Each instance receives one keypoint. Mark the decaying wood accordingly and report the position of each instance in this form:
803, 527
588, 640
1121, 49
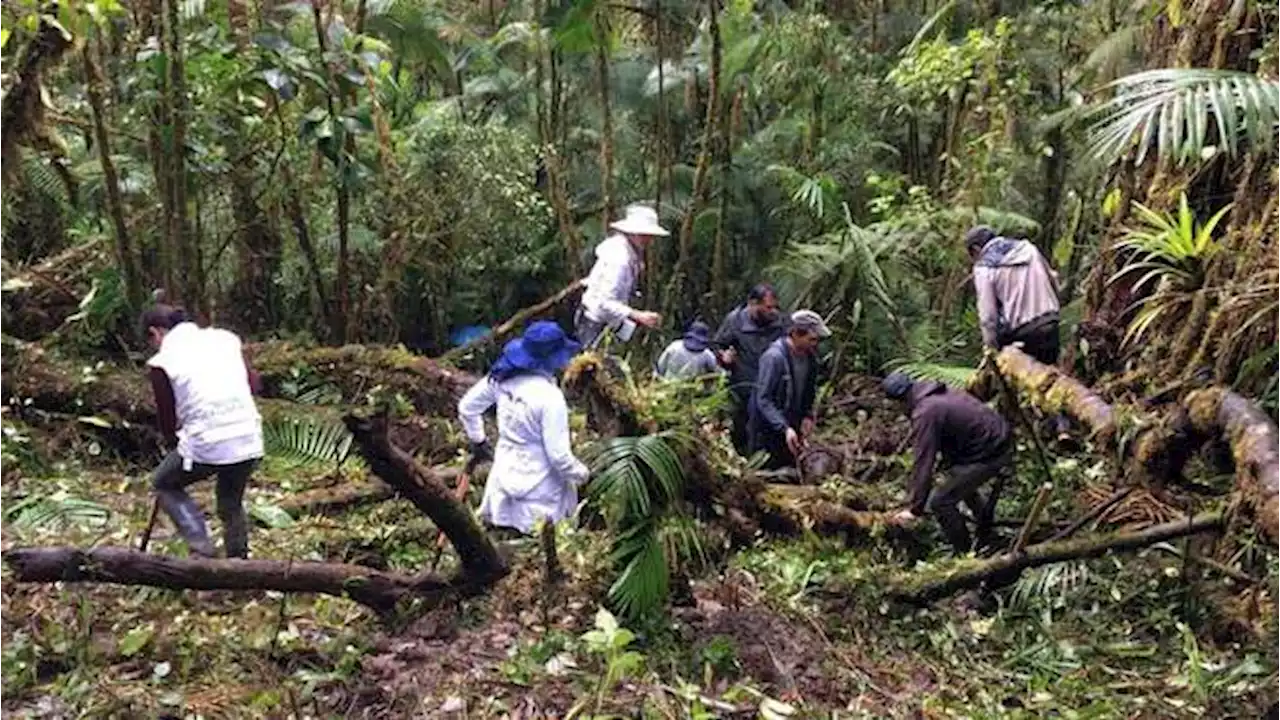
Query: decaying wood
1255, 448
376, 590
513, 323
928, 587
428, 492
337, 499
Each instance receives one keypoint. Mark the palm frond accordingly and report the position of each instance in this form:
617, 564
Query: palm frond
640, 481
956, 376
307, 440
60, 509
1052, 583
1170, 110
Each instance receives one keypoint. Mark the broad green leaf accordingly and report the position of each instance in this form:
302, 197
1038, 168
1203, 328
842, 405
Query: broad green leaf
136, 639
273, 516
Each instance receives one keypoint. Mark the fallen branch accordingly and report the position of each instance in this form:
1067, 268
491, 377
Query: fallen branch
512, 323
376, 590
1255, 448
1097, 512
479, 557
337, 499
972, 574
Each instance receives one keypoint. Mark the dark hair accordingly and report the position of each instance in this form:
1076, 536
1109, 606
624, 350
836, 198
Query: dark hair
978, 237
164, 317
760, 291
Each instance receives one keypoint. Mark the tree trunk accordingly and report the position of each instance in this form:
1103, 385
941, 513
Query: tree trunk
928, 587
1255, 448
125, 254
681, 276
476, 552
22, 115
191, 283
379, 591
340, 319
606, 117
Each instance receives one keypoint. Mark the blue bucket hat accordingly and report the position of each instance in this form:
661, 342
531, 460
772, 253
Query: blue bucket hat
897, 385
697, 337
543, 348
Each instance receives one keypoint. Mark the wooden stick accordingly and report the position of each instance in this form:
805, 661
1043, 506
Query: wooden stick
151, 525
1037, 507
1041, 453
1093, 514
934, 586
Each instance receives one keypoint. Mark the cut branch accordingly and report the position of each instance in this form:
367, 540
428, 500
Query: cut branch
970, 575
480, 560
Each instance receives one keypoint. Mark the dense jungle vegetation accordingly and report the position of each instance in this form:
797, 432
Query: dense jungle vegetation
356, 186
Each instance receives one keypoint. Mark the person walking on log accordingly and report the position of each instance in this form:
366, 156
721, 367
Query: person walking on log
535, 475
1017, 294
606, 303
688, 357
744, 335
781, 414
975, 442
204, 388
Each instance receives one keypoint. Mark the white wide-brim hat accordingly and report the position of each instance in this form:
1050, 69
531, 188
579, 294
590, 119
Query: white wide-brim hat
640, 220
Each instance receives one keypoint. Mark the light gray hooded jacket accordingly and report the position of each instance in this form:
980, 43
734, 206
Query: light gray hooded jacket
1015, 286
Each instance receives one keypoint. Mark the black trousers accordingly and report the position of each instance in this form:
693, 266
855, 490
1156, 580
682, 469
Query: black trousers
963, 484
1039, 339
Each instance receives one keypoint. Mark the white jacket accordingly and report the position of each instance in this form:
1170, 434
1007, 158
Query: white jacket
218, 422
612, 281
535, 474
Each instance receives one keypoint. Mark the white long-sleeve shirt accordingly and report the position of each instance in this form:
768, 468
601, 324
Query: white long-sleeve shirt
612, 281
535, 474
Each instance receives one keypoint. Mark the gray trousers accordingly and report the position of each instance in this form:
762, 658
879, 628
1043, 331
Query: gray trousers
171, 482
587, 331
962, 485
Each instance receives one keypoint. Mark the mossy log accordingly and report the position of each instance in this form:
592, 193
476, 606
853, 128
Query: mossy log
513, 323
433, 388
337, 499
1051, 390
1255, 448
926, 587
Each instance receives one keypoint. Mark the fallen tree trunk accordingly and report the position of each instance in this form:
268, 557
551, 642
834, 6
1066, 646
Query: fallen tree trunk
432, 387
379, 591
1255, 448
337, 499
922, 588
512, 323
480, 561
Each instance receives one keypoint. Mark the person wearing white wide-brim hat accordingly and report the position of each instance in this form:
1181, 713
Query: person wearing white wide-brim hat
611, 284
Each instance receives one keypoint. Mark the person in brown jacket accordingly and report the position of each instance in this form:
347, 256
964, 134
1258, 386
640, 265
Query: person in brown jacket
975, 442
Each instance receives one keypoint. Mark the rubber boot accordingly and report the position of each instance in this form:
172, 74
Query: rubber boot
188, 519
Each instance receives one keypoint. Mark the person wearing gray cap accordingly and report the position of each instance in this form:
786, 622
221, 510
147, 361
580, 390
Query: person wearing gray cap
781, 414
975, 442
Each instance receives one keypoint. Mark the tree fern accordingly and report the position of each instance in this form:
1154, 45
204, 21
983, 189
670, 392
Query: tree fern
1170, 111
639, 482
307, 440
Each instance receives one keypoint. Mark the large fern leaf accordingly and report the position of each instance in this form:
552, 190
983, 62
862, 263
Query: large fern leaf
1170, 111
306, 440
956, 376
639, 481
58, 509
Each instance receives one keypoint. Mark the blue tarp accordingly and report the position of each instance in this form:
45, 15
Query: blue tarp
464, 335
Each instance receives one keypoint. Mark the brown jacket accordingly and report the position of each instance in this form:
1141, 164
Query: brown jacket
954, 423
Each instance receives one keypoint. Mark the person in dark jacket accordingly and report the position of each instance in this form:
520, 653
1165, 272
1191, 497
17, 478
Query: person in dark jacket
781, 413
974, 440
743, 337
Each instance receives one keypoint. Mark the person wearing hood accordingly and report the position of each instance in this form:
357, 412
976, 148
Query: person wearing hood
606, 303
744, 335
781, 414
1017, 294
204, 390
688, 357
535, 475
974, 441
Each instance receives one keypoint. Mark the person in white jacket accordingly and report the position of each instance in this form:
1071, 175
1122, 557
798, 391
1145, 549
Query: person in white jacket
535, 475
612, 282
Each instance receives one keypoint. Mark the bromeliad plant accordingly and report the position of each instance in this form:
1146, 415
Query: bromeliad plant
1172, 254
